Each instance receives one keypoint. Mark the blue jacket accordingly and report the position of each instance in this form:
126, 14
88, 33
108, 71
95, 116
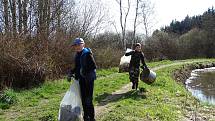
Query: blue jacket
85, 66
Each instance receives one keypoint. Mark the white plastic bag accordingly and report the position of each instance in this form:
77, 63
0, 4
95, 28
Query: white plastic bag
71, 106
124, 62
125, 59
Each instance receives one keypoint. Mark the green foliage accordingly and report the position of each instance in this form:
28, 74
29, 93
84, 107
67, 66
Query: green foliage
49, 117
191, 42
192, 37
7, 98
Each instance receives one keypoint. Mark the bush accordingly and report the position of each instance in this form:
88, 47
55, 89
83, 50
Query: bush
108, 57
18, 70
7, 98
27, 61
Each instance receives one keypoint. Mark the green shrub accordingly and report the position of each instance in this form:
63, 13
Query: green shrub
7, 98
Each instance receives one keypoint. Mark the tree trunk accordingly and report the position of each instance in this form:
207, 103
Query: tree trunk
40, 17
48, 19
123, 25
20, 16
6, 20
13, 12
59, 12
25, 16
135, 23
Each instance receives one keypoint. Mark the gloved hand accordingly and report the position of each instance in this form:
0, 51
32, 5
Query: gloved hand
68, 79
70, 74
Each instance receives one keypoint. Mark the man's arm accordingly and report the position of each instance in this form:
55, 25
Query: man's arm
129, 53
89, 64
143, 61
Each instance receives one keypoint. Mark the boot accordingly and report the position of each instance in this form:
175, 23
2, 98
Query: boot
133, 85
136, 86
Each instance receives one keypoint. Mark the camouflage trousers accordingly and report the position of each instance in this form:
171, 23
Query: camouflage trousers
134, 73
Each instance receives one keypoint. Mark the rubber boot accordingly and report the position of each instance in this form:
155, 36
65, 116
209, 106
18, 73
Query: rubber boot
133, 85
136, 85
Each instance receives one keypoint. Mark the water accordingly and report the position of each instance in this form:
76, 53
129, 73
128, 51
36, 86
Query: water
202, 84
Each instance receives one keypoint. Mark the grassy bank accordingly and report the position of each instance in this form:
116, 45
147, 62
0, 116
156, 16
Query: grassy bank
164, 100
42, 103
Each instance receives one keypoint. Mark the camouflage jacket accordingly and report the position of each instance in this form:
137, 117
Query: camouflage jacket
135, 58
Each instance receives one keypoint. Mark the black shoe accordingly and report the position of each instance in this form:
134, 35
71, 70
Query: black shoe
136, 86
89, 119
133, 87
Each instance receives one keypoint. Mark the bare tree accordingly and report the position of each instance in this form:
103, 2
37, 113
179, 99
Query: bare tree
13, 12
48, 17
135, 21
70, 18
20, 16
92, 17
1, 17
86, 18
25, 15
124, 12
147, 11
6, 15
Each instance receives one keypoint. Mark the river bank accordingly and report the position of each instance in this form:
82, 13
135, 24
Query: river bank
203, 111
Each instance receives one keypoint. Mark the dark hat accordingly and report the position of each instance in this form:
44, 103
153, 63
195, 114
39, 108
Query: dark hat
77, 41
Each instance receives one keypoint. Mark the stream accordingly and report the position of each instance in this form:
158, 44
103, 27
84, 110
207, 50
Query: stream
202, 84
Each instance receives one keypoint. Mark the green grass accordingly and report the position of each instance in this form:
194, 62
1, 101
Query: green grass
155, 64
106, 72
42, 103
37, 103
165, 100
159, 103
105, 86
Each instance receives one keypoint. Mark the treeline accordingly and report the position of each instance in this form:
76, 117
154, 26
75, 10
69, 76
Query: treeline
199, 21
35, 37
193, 37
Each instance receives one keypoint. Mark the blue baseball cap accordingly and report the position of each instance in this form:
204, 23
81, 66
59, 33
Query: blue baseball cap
77, 41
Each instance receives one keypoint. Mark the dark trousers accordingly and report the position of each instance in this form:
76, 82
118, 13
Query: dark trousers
134, 73
86, 87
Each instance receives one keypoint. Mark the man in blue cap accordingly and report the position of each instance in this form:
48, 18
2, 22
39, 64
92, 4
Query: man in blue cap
85, 72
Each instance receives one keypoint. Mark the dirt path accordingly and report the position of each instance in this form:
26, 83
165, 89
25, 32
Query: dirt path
106, 104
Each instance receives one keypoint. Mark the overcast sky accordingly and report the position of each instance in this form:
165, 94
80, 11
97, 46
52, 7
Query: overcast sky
165, 10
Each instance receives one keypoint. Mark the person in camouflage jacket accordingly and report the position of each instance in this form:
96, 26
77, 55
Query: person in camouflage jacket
134, 71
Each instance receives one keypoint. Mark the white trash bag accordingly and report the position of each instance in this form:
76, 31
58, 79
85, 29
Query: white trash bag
124, 62
71, 106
